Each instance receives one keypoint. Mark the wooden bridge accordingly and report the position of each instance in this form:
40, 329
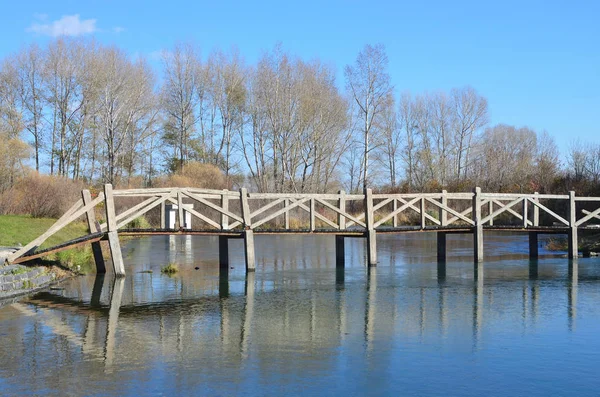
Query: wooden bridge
240, 214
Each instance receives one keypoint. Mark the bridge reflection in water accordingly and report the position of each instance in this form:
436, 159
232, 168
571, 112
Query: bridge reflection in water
114, 324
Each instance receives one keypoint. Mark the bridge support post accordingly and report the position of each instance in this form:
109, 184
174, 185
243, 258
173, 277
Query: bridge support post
248, 233
533, 245
573, 241
223, 253
371, 234
113, 236
478, 227
441, 247
91, 220
249, 250
340, 251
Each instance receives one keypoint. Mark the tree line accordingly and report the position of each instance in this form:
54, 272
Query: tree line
81, 110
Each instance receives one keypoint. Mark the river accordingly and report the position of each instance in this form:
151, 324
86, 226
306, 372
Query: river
298, 326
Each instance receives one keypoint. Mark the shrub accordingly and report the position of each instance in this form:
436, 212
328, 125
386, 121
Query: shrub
41, 196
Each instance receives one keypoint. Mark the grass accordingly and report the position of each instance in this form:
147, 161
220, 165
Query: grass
22, 229
169, 269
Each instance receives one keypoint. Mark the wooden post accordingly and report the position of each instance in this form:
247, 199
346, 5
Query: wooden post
422, 208
162, 215
248, 233
225, 206
533, 245
342, 207
525, 213
478, 227
491, 211
91, 220
286, 215
536, 211
443, 214
180, 210
223, 252
312, 214
113, 237
371, 235
394, 208
573, 242
441, 236
339, 251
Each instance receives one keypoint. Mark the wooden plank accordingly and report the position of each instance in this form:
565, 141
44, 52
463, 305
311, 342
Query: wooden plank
225, 206
536, 210
268, 207
318, 216
456, 214
180, 216
286, 216
418, 211
111, 218
277, 213
60, 248
549, 211
245, 207
344, 214
212, 205
312, 215
511, 211
442, 214
159, 201
342, 207
396, 212
590, 215
504, 208
422, 208
140, 192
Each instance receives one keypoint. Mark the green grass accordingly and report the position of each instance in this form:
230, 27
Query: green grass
22, 229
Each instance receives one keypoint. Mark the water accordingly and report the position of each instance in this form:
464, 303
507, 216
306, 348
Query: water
299, 326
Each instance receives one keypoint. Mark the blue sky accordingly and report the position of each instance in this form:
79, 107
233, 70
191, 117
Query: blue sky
537, 62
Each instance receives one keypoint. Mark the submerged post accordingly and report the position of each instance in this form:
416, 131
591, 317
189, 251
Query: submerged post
371, 235
113, 237
223, 252
340, 251
533, 245
573, 242
478, 227
248, 233
91, 220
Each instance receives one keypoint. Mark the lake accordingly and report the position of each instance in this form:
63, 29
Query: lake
300, 326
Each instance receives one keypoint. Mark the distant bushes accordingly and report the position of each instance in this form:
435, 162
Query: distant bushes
195, 174
41, 196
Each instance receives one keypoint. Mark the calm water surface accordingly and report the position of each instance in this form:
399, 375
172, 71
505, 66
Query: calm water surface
299, 326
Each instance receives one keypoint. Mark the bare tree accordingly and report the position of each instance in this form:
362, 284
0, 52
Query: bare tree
179, 100
368, 84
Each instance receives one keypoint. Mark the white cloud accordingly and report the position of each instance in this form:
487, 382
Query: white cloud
68, 25
118, 29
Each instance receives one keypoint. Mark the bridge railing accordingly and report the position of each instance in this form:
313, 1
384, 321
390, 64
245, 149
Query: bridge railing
241, 210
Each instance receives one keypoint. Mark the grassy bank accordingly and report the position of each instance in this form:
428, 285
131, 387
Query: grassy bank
21, 229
